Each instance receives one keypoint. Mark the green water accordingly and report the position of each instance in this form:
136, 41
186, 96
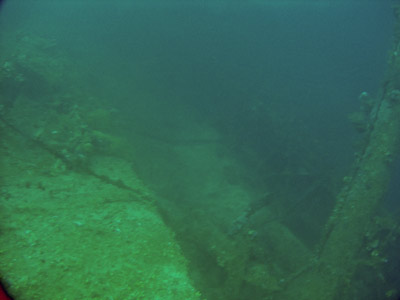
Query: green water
186, 150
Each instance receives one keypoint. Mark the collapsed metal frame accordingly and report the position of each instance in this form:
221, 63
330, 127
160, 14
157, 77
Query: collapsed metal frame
361, 195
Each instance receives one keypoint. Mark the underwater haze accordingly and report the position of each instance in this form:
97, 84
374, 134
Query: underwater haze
195, 149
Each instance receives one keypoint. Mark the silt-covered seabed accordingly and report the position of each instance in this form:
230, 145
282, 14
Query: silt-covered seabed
198, 151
